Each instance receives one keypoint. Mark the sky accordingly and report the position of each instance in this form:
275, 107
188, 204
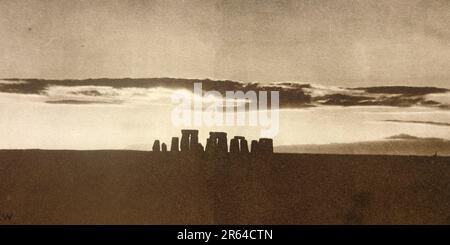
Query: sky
345, 43
87, 115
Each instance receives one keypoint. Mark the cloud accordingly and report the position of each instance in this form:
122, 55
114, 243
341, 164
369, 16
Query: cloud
343, 100
401, 144
402, 137
106, 95
415, 138
420, 122
292, 94
403, 90
9, 82
77, 102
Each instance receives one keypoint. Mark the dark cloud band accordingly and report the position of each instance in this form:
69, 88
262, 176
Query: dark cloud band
292, 95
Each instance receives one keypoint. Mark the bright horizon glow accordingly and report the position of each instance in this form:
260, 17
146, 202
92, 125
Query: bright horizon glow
26, 122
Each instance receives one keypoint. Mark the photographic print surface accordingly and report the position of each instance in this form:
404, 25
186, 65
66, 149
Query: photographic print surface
225, 112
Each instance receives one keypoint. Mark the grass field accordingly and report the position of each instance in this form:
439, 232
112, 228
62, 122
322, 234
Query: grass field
133, 187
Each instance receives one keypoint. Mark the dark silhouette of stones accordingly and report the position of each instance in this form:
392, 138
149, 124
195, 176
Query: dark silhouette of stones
222, 143
265, 145
254, 147
174, 146
216, 144
156, 147
184, 141
244, 146
210, 145
189, 139
163, 147
199, 148
234, 146
194, 141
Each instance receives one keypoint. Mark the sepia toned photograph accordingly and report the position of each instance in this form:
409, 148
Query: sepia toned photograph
224, 112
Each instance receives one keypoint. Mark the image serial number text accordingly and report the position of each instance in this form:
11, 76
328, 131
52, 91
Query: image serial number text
227, 234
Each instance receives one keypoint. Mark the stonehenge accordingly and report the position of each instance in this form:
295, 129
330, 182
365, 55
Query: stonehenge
216, 144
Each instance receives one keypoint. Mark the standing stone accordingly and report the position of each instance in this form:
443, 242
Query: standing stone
210, 145
156, 147
219, 142
254, 147
194, 140
222, 143
174, 146
234, 146
189, 139
266, 145
270, 145
244, 146
200, 148
163, 147
184, 141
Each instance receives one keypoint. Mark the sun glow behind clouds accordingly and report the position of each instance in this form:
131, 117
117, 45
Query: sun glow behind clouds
443, 98
27, 122
105, 94
88, 114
